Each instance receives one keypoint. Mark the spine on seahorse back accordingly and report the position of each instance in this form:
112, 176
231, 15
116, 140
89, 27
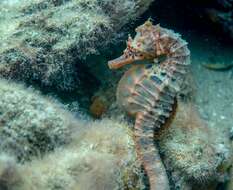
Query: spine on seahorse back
168, 78
177, 55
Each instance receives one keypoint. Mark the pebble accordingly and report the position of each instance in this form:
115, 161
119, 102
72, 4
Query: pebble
218, 66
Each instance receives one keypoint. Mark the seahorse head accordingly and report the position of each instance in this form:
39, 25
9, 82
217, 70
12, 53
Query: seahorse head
142, 47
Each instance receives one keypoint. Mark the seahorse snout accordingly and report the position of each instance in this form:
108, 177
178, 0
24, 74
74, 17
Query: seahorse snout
120, 62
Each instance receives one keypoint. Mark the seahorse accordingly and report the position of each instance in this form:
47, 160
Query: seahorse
149, 90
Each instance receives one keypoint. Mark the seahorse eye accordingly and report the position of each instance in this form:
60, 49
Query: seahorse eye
163, 73
149, 66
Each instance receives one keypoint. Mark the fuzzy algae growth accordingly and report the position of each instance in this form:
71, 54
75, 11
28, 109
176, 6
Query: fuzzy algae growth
101, 156
42, 41
194, 152
45, 147
30, 125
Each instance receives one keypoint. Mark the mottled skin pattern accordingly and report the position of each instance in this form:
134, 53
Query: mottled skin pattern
148, 91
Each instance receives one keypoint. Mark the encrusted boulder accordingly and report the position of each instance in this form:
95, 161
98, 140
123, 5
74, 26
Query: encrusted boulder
42, 41
30, 125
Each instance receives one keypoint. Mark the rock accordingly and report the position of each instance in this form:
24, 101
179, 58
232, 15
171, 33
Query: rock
30, 125
42, 41
101, 156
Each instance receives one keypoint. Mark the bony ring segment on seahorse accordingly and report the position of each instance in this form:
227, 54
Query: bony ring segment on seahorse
149, 91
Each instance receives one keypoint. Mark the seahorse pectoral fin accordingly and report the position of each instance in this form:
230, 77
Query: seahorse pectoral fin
120, 62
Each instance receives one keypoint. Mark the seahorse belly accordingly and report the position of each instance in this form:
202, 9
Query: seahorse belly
141, 91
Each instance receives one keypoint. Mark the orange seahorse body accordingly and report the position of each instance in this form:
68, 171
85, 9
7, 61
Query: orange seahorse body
149, 91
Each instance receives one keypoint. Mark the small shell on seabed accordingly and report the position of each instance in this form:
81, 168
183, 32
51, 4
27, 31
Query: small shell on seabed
217, 66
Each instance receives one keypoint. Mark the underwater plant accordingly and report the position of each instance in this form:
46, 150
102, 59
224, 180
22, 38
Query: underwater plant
193, 150
149, 92
42, 41
101, 156
30, 125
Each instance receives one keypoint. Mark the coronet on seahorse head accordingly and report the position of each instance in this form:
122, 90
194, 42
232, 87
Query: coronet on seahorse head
142, 47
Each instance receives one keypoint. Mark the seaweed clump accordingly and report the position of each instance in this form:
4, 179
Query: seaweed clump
30, 125
101, 156
42, 41
194, 152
